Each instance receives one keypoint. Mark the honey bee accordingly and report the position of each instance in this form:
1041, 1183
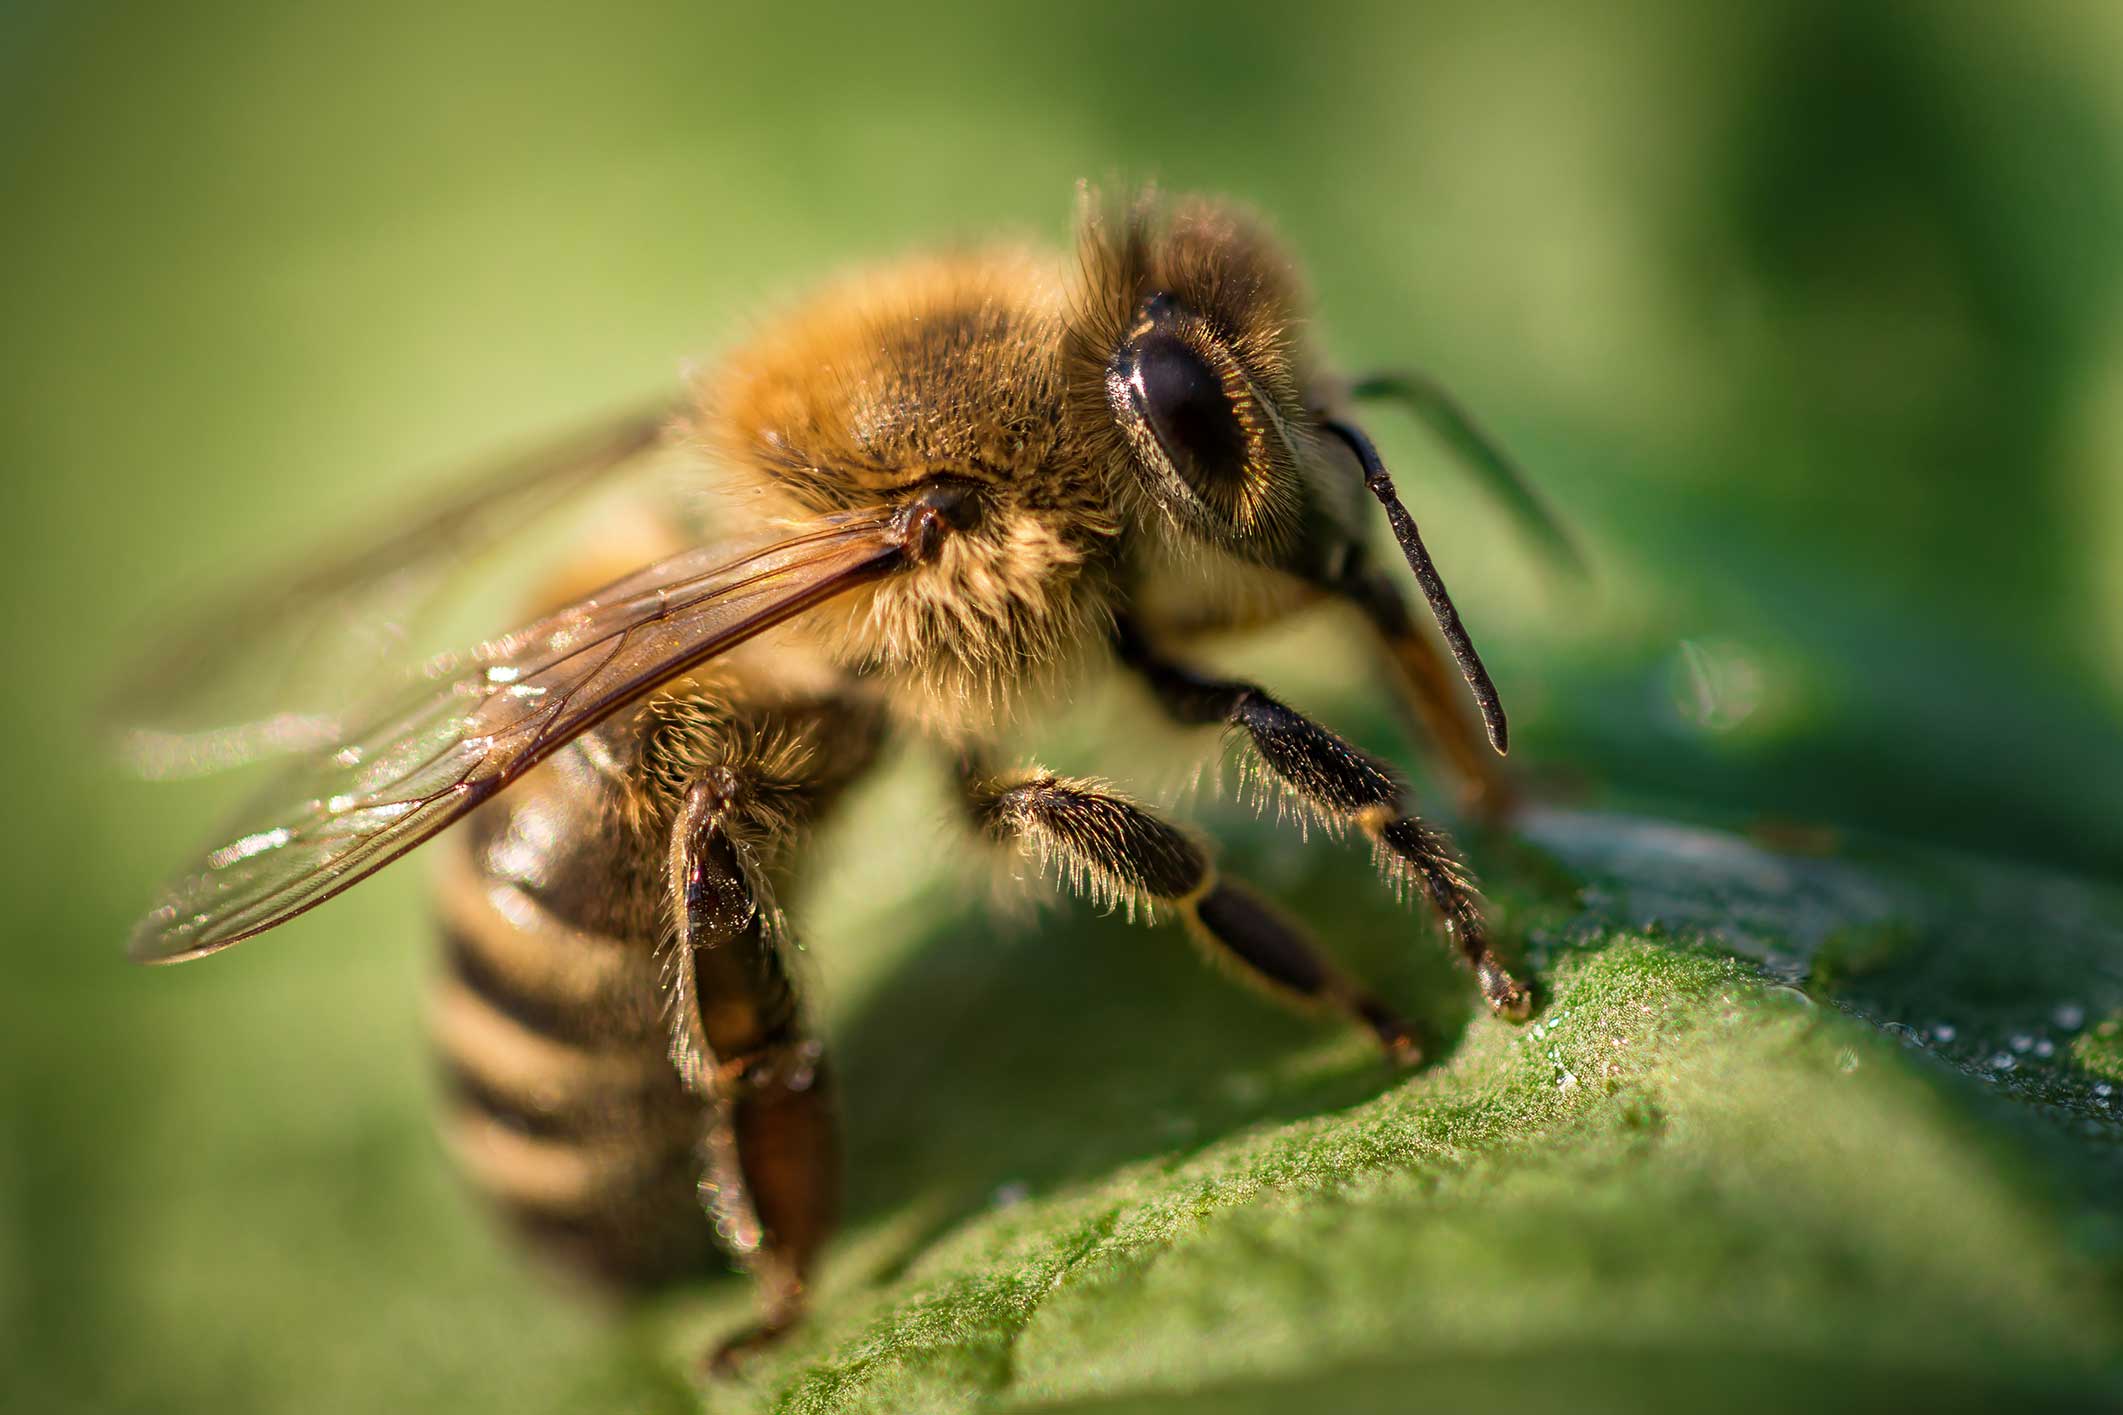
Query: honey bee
958, 485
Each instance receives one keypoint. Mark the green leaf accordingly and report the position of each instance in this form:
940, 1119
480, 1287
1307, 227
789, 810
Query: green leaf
1829, 1115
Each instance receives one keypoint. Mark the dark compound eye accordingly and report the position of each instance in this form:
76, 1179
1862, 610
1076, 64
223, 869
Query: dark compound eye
1187, 407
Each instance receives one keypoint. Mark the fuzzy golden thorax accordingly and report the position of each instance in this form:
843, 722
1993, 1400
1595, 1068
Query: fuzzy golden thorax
941, 370
1145, 409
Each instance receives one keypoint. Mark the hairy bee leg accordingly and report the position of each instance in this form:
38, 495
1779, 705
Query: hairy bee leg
772, 1177
1342, 785
1107, 847
1430, 691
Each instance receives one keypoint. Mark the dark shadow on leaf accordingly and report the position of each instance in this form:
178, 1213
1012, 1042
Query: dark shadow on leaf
1008, 1060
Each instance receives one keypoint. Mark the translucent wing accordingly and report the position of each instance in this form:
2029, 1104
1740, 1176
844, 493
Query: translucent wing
268, 669
482, 720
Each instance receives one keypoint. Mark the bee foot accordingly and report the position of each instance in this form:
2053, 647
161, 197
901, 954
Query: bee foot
1508, 997
729, 1359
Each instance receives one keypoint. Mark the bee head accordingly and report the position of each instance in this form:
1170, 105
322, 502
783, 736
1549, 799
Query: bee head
1184, 364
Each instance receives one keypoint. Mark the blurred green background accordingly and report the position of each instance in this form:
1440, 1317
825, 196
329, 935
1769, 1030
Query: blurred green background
1809, 315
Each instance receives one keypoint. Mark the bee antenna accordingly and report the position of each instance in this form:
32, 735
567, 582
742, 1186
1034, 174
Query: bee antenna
1448, 618
1438, 410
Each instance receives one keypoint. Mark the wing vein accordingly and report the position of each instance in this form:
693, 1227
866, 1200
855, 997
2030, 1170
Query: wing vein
351, 808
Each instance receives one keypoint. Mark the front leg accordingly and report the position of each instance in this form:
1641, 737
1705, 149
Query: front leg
1340, 785
1430, 691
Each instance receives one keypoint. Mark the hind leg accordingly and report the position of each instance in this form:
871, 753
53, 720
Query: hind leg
740, 784
772, 1179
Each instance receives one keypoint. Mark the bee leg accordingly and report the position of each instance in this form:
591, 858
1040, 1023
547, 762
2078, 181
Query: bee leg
772, 1178
1111, 849
1430, 690
1341, 785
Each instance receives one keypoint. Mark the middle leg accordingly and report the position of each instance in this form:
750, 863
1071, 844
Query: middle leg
1108, 848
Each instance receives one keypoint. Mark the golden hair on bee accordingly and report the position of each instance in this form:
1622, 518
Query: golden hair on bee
977, 472
941, 368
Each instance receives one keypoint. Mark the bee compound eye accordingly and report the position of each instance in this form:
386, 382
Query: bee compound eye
1190, 412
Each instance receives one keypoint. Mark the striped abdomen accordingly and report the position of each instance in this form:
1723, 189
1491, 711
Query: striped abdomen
564, 1104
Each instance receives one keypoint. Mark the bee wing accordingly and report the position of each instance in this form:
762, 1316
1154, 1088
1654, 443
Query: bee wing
481, 721
267, 670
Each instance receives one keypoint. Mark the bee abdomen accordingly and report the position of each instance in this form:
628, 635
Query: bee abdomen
563, 1103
